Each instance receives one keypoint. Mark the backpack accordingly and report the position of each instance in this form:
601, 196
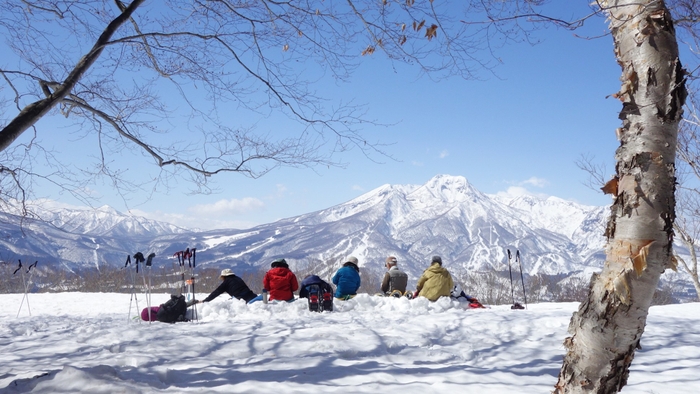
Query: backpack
320, 297
173, 310
153, 314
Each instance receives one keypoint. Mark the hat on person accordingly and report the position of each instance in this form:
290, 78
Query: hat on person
226, 272
279, 263
391, 260
436, 259
352, 259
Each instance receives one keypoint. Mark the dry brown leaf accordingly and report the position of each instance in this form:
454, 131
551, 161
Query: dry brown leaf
431, 32
610, 187
285, 47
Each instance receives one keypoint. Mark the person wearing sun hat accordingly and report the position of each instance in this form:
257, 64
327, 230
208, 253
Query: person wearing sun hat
435, 282
347, 279
231, 284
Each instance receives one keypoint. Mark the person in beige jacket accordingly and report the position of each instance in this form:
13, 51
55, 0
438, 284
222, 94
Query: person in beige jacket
435, 282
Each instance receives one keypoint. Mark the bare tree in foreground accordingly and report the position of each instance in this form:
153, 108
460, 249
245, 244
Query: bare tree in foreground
182, 84
607, 329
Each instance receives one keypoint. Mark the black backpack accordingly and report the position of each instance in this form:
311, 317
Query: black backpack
173, 310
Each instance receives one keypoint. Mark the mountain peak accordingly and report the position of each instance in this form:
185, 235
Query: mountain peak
450, 188
109, 210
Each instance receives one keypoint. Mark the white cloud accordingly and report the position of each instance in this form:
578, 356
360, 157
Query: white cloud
535, 181
228, 207
358, 188
514, 191
417, 163
281, 189
444, 154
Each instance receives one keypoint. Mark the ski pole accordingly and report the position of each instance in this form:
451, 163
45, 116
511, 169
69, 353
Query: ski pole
181, 265
149, 263
131, 282
188, 255
510, 272
26, 287
522, 279
194, 265
138, 258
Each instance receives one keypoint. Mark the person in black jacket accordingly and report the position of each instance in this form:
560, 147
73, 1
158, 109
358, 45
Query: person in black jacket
232, 285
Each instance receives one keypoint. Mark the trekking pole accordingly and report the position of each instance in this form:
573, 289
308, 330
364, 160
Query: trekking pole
138, 258
194, 265
510, 272
181, 265
149, 262
517, 258
132, 288
515, 305
188, 255
26, 286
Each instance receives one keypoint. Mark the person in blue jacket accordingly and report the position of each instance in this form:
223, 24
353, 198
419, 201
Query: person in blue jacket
347, 279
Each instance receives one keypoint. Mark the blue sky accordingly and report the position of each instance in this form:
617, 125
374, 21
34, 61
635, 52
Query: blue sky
520, 130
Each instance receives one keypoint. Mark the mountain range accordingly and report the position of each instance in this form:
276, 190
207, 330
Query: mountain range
446, 216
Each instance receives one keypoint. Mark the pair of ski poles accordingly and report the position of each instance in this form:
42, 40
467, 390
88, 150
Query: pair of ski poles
516, 305
139, 259
188, 285
25, 284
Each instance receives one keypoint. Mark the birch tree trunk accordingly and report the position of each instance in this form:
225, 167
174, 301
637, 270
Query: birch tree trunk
607, 328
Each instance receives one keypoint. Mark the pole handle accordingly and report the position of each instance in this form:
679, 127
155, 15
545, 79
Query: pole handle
18, 268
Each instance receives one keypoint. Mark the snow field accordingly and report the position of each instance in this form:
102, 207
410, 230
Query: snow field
84, 342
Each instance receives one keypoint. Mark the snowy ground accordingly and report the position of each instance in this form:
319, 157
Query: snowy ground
78, 342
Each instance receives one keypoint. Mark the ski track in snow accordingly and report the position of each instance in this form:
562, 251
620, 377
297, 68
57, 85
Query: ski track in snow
85, 342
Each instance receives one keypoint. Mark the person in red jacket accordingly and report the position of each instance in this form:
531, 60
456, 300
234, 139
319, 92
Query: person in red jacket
280, 281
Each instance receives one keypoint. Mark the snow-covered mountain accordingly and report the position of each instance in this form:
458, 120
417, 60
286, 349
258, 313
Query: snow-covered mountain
446, 216
78, 238
107, 221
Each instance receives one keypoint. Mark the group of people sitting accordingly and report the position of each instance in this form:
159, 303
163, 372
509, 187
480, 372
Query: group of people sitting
280, 283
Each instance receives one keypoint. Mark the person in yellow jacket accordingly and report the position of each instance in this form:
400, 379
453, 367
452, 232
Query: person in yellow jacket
435, 282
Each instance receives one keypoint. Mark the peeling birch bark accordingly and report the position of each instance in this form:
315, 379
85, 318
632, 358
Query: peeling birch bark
607, 328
